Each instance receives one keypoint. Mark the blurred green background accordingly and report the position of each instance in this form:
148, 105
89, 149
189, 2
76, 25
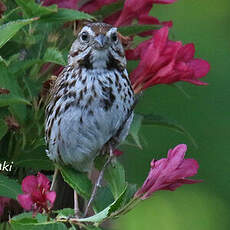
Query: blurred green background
205, 115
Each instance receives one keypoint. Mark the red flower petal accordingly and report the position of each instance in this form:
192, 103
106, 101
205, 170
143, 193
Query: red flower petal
29, 184
25, 201
43, 181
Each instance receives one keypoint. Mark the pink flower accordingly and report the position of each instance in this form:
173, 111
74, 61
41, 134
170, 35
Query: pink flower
94, 5
37, 195
165, 62
133, 9
3, 202
169, 173
71, 4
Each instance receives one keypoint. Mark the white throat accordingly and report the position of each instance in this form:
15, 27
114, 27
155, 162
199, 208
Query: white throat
99, 59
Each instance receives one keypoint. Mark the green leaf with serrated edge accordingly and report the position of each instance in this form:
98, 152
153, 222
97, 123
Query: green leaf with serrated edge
53, 55
135, 128
3, 128
77, 180
136, 29
26, 221
107, 212
109, 9
34, 158
7, 31
115, 177
9, 187
32, 9
159, 120
65, 15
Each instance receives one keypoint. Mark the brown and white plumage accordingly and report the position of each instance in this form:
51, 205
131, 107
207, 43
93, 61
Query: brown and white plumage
91, 101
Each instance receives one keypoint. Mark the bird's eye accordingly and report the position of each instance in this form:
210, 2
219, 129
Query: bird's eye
85, 37
114, 37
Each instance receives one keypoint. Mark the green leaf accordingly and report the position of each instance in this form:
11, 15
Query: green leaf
23, 65
135, 128
26, 221
131, 190
3, 128
109, 9
6, 17
107, 212
115, 177
103, 199
77, 180
6, 100
34, 158
7, 31
136, 29
53, 55
32, 9
65, 15
9, 187
159, 120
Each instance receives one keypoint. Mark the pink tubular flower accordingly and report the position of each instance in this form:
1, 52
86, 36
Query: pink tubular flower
165, 62
3, 202
94, 5
71, 4
169, 173
37, 195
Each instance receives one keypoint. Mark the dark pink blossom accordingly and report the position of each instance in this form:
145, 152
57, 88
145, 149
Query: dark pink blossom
169, 173
3, 202
37, 195
164, 62
94, 5
70, 4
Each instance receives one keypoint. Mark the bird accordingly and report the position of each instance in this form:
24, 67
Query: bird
90, 105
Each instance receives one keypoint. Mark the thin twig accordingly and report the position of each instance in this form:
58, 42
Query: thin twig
98, 183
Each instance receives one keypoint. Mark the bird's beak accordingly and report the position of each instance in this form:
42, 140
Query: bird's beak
101, 41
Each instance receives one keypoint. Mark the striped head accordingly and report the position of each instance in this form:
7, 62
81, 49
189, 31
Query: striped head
97, 46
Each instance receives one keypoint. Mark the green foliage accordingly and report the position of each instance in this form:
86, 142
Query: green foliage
7, 31
107, 10
54, 56
3, 128
115, 176
26, 221
77, 180
136, 29
65, 15
9, 187
31, 9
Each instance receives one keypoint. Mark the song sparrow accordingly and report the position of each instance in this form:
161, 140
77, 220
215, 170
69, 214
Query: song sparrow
91, 102
90, 108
